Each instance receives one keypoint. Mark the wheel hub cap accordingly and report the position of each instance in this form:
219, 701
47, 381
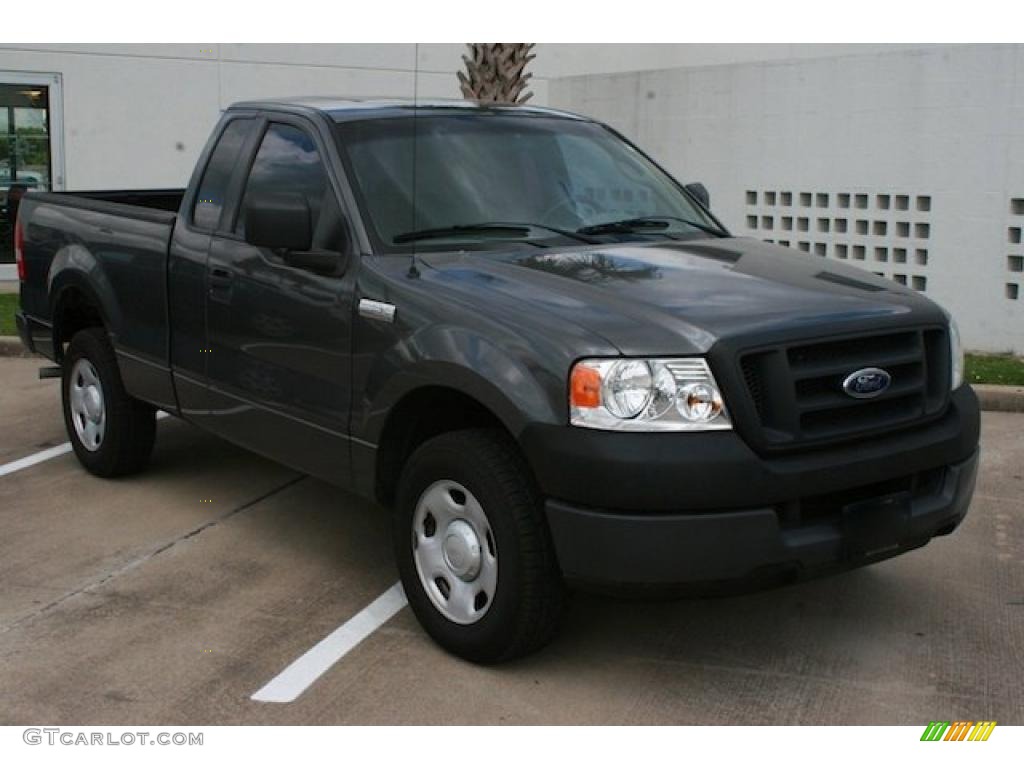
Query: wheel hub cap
85, 401
454, 553
93, 403
462, 550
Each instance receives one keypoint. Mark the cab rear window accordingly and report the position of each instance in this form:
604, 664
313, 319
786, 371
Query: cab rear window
209, 201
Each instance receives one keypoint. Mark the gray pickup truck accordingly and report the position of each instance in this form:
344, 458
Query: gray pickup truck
515, 330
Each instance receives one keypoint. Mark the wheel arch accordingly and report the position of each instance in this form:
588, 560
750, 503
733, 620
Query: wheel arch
456, 378
81, 296
420, 414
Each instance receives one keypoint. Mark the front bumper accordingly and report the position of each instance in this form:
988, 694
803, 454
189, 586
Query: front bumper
707, 509
752, 545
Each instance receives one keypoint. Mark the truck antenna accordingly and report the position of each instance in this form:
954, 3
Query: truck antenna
414, 271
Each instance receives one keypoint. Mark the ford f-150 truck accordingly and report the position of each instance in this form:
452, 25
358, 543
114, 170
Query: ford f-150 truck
514, 329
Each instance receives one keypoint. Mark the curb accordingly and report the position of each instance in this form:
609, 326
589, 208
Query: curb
11, 346
993, 397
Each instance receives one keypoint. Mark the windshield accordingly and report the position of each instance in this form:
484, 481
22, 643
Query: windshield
550, 177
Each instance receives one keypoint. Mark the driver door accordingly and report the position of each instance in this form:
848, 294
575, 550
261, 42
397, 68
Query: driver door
279, 368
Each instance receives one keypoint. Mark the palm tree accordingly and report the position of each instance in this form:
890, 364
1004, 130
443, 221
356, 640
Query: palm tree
495, 72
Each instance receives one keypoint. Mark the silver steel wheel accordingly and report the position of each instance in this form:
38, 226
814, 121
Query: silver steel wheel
454, 552
88, 411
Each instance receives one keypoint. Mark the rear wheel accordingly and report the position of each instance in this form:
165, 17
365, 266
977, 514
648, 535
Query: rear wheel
111, 432
473, 548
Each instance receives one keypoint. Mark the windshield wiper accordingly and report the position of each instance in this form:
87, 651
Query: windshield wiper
497, 228
580, 236
508, 230
629, 226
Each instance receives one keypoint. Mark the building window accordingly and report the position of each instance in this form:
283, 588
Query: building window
25, 160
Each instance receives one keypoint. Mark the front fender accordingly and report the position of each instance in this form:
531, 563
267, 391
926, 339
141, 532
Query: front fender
458, 358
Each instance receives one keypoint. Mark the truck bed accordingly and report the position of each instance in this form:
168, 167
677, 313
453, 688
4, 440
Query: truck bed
112, 242
145, 200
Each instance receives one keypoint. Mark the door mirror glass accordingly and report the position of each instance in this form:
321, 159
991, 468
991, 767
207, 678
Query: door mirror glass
700, 192
280, 221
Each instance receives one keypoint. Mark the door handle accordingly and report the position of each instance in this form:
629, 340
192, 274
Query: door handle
220, 281
220, 276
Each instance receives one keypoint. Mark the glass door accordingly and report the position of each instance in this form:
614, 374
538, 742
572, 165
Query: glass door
27, 158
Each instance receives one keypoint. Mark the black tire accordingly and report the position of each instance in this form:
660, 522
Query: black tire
130, 427
529, 596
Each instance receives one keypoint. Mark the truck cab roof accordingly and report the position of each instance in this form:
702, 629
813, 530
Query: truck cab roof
346, 109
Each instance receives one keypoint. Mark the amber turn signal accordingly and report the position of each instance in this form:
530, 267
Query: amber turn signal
585, 387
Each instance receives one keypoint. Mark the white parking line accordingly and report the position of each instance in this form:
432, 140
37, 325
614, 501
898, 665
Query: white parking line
311, 665
308, 668
50, 453
35, 458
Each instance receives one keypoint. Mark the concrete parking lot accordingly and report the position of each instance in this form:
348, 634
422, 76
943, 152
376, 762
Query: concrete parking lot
173, 596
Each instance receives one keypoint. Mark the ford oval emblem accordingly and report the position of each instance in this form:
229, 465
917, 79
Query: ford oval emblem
867, 382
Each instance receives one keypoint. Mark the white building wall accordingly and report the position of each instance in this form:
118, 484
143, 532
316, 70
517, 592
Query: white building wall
937, 129
561, 60
137, 116
944, 123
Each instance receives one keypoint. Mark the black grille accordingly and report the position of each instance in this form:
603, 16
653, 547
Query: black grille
753, 381
796, 390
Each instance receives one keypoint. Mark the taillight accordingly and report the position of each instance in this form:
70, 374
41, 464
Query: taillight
19, 249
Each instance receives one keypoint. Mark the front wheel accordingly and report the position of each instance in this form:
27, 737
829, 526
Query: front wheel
473, 548
111, 432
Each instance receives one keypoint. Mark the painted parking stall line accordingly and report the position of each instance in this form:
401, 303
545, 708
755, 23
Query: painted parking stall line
36, 458
308, 668
50, 453
311, 665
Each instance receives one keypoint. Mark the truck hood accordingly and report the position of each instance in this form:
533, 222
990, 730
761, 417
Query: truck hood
680, 297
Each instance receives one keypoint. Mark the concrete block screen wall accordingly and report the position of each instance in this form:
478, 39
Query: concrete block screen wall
887, 233
908, 163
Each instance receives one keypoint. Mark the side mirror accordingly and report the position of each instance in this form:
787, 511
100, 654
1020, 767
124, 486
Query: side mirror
278, 221
700, 192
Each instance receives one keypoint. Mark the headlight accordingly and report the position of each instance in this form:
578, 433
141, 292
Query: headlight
627, 389
956, 355
634, 395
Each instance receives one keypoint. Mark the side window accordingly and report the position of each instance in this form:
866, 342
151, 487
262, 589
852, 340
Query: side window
288, 161
214, 184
